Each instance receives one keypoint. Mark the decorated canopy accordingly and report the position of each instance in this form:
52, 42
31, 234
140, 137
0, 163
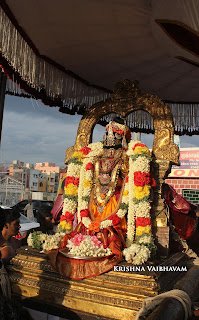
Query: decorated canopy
71, 53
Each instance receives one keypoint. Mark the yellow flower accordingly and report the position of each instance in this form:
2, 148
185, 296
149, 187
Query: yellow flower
125, 193
87, 183
148, 229
139, 150
141, 230
71, 190
78, 154
65, 225
141, 192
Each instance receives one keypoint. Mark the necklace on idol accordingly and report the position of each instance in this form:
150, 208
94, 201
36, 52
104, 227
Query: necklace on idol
106, 178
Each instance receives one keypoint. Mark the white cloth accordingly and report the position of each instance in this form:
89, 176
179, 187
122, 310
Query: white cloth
29, 209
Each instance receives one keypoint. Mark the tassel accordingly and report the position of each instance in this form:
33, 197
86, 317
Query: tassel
5, 282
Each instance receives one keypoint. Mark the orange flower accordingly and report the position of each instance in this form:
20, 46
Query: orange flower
95, 226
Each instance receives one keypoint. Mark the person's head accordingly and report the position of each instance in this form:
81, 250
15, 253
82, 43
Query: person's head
12, 222
117, 134
30, 201
45, 217
2, 218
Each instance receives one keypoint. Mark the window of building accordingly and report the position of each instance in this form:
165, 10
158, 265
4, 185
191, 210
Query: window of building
34, 184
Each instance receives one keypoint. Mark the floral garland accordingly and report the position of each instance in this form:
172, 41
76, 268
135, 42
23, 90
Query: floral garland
71, 190
85, 245
135, 198
42, 241
140, 244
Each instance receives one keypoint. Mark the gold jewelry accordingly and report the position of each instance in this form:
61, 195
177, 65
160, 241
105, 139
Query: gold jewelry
111, 186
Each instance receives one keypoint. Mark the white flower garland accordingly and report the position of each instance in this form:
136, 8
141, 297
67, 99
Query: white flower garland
137, 253
87, 248
47, 242
131, 212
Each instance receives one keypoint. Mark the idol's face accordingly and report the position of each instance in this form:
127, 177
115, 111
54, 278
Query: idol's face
112, 141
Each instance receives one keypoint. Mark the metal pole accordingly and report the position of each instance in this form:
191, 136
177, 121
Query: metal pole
3, 80
137, 136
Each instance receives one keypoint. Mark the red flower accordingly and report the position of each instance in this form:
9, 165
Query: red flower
69, 180
115, 219
85, 150
62, 218
127, 179
73, 180
89, 166
76, 181
84, 213
141, 178
68, 216
139, 145
143, 222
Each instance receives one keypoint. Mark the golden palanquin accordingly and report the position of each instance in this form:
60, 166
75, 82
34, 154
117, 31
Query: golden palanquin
113, 295
116, 294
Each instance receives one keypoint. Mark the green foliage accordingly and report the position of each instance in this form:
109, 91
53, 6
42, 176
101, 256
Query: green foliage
86, 198
137, 201
124, 206
75, 161
37, 244
73, 198
143, 154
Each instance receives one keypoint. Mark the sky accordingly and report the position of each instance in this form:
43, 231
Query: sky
33, 132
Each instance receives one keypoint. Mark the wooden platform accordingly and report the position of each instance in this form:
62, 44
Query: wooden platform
114, 295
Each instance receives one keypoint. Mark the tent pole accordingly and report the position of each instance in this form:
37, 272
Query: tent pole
3, 80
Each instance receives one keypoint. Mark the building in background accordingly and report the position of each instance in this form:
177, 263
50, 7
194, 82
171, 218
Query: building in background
185, 178
38, 182
3, 171
20, 172
51, 173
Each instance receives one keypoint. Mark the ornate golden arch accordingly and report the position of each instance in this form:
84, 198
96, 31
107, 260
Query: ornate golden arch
125, 99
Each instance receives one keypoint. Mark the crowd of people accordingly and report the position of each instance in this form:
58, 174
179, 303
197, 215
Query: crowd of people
10, 218
9, 228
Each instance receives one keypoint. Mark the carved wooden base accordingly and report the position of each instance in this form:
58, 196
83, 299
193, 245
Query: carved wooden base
114, 295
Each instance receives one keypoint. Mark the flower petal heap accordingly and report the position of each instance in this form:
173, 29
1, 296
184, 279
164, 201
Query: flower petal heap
87, 246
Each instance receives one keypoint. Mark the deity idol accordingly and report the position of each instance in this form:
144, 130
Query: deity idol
107, 197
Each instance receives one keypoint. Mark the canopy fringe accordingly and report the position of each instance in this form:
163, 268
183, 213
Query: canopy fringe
68, 91
185, 118
40, 74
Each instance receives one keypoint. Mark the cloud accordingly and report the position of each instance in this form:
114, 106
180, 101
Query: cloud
33, 132
39, 138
